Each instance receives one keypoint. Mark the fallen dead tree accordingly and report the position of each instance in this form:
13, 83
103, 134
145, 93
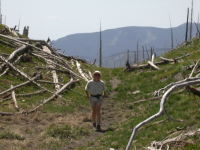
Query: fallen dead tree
57, 58
31, 94
53, 71
155, 65
61, 90
169, 89
63, 67
174, 141
54, 51
23, 74
85, 77
7, 69
20, 85
55, 95
151, 63
14, 55
50, 60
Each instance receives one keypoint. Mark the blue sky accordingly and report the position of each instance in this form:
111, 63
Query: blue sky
58, 18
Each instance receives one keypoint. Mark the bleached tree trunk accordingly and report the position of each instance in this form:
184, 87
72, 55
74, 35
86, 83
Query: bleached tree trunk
14, 98
23, 74
64, 87
34, 47
151, 63
54, 74
61, 66
20, 85
14, 55
81, 71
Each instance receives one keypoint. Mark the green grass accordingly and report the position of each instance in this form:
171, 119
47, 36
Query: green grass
10, 136
66, 132
181, 106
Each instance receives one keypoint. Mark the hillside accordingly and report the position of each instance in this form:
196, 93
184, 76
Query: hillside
115, 41
64, 122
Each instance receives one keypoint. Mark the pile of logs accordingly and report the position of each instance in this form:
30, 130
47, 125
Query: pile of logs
154, 65
54, 62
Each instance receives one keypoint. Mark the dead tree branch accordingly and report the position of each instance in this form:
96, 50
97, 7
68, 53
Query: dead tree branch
175, 86
20, 85
63, 67
81, 71
64, 87
14, 98
23, 74
178, 139
155, 64
31, 94
14, 55
54, 74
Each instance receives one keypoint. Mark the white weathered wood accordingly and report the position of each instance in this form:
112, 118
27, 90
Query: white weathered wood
158, 145
194, 69
167, 59
90, 75
7, 69
19, 85
64, 87
81, 71
34, 47
63, 67
14, 98
176, 85
23, 74
153, 58
54, 74
153, 65
14, 55
20, 51
162, 62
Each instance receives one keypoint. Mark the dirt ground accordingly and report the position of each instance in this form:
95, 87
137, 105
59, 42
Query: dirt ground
33, 127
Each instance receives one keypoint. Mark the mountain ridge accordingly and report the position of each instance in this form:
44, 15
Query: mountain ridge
118, 40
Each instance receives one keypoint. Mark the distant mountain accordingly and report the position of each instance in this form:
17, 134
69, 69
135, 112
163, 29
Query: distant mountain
86, 45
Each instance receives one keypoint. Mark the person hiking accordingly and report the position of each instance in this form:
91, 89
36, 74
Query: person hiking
95, 89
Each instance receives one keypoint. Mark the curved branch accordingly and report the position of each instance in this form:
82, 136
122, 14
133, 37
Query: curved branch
162, 106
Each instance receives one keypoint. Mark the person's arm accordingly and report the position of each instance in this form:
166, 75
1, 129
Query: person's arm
86, 90
104, 90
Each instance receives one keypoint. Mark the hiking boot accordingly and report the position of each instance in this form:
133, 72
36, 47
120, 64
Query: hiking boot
98, 127
94, 125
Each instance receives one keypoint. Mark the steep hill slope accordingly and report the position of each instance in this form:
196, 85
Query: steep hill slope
64, 122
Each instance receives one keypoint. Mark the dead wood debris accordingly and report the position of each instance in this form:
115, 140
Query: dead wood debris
179, 140
166, 92
54, 62
154, 65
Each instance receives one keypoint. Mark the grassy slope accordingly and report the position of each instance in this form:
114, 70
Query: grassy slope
181, 106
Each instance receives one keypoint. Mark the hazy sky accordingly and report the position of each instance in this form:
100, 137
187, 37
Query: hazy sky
58, 18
